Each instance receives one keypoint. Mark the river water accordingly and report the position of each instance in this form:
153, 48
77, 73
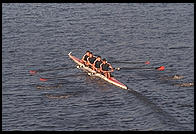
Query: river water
39, 36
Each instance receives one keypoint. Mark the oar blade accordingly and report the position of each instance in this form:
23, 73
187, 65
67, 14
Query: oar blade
43, 79
32, 72
161, 68
147, 62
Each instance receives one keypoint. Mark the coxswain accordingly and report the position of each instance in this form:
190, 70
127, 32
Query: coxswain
97, 64
84, 58
90, 60
106, 68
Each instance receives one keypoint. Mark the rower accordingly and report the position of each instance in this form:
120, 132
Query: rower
84, 58
106, 68
90, 60
97, 63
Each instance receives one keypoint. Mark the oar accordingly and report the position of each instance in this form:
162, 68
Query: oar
129, 62
32, 72
161, 68
49, 78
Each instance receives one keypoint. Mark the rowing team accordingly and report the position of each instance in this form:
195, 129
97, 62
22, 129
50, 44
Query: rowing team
97, 64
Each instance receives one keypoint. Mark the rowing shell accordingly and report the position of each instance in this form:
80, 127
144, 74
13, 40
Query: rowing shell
91, 72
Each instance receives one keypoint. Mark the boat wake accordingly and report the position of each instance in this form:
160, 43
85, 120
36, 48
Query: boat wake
58, 97
48, 87
164, 117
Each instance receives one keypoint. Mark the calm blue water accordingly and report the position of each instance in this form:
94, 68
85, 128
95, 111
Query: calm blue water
39, 36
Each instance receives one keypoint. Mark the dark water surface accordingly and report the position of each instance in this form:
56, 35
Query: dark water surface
39, 36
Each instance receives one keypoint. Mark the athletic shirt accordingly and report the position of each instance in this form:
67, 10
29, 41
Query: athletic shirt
97, 64
91, 60
85, 57
105, 67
